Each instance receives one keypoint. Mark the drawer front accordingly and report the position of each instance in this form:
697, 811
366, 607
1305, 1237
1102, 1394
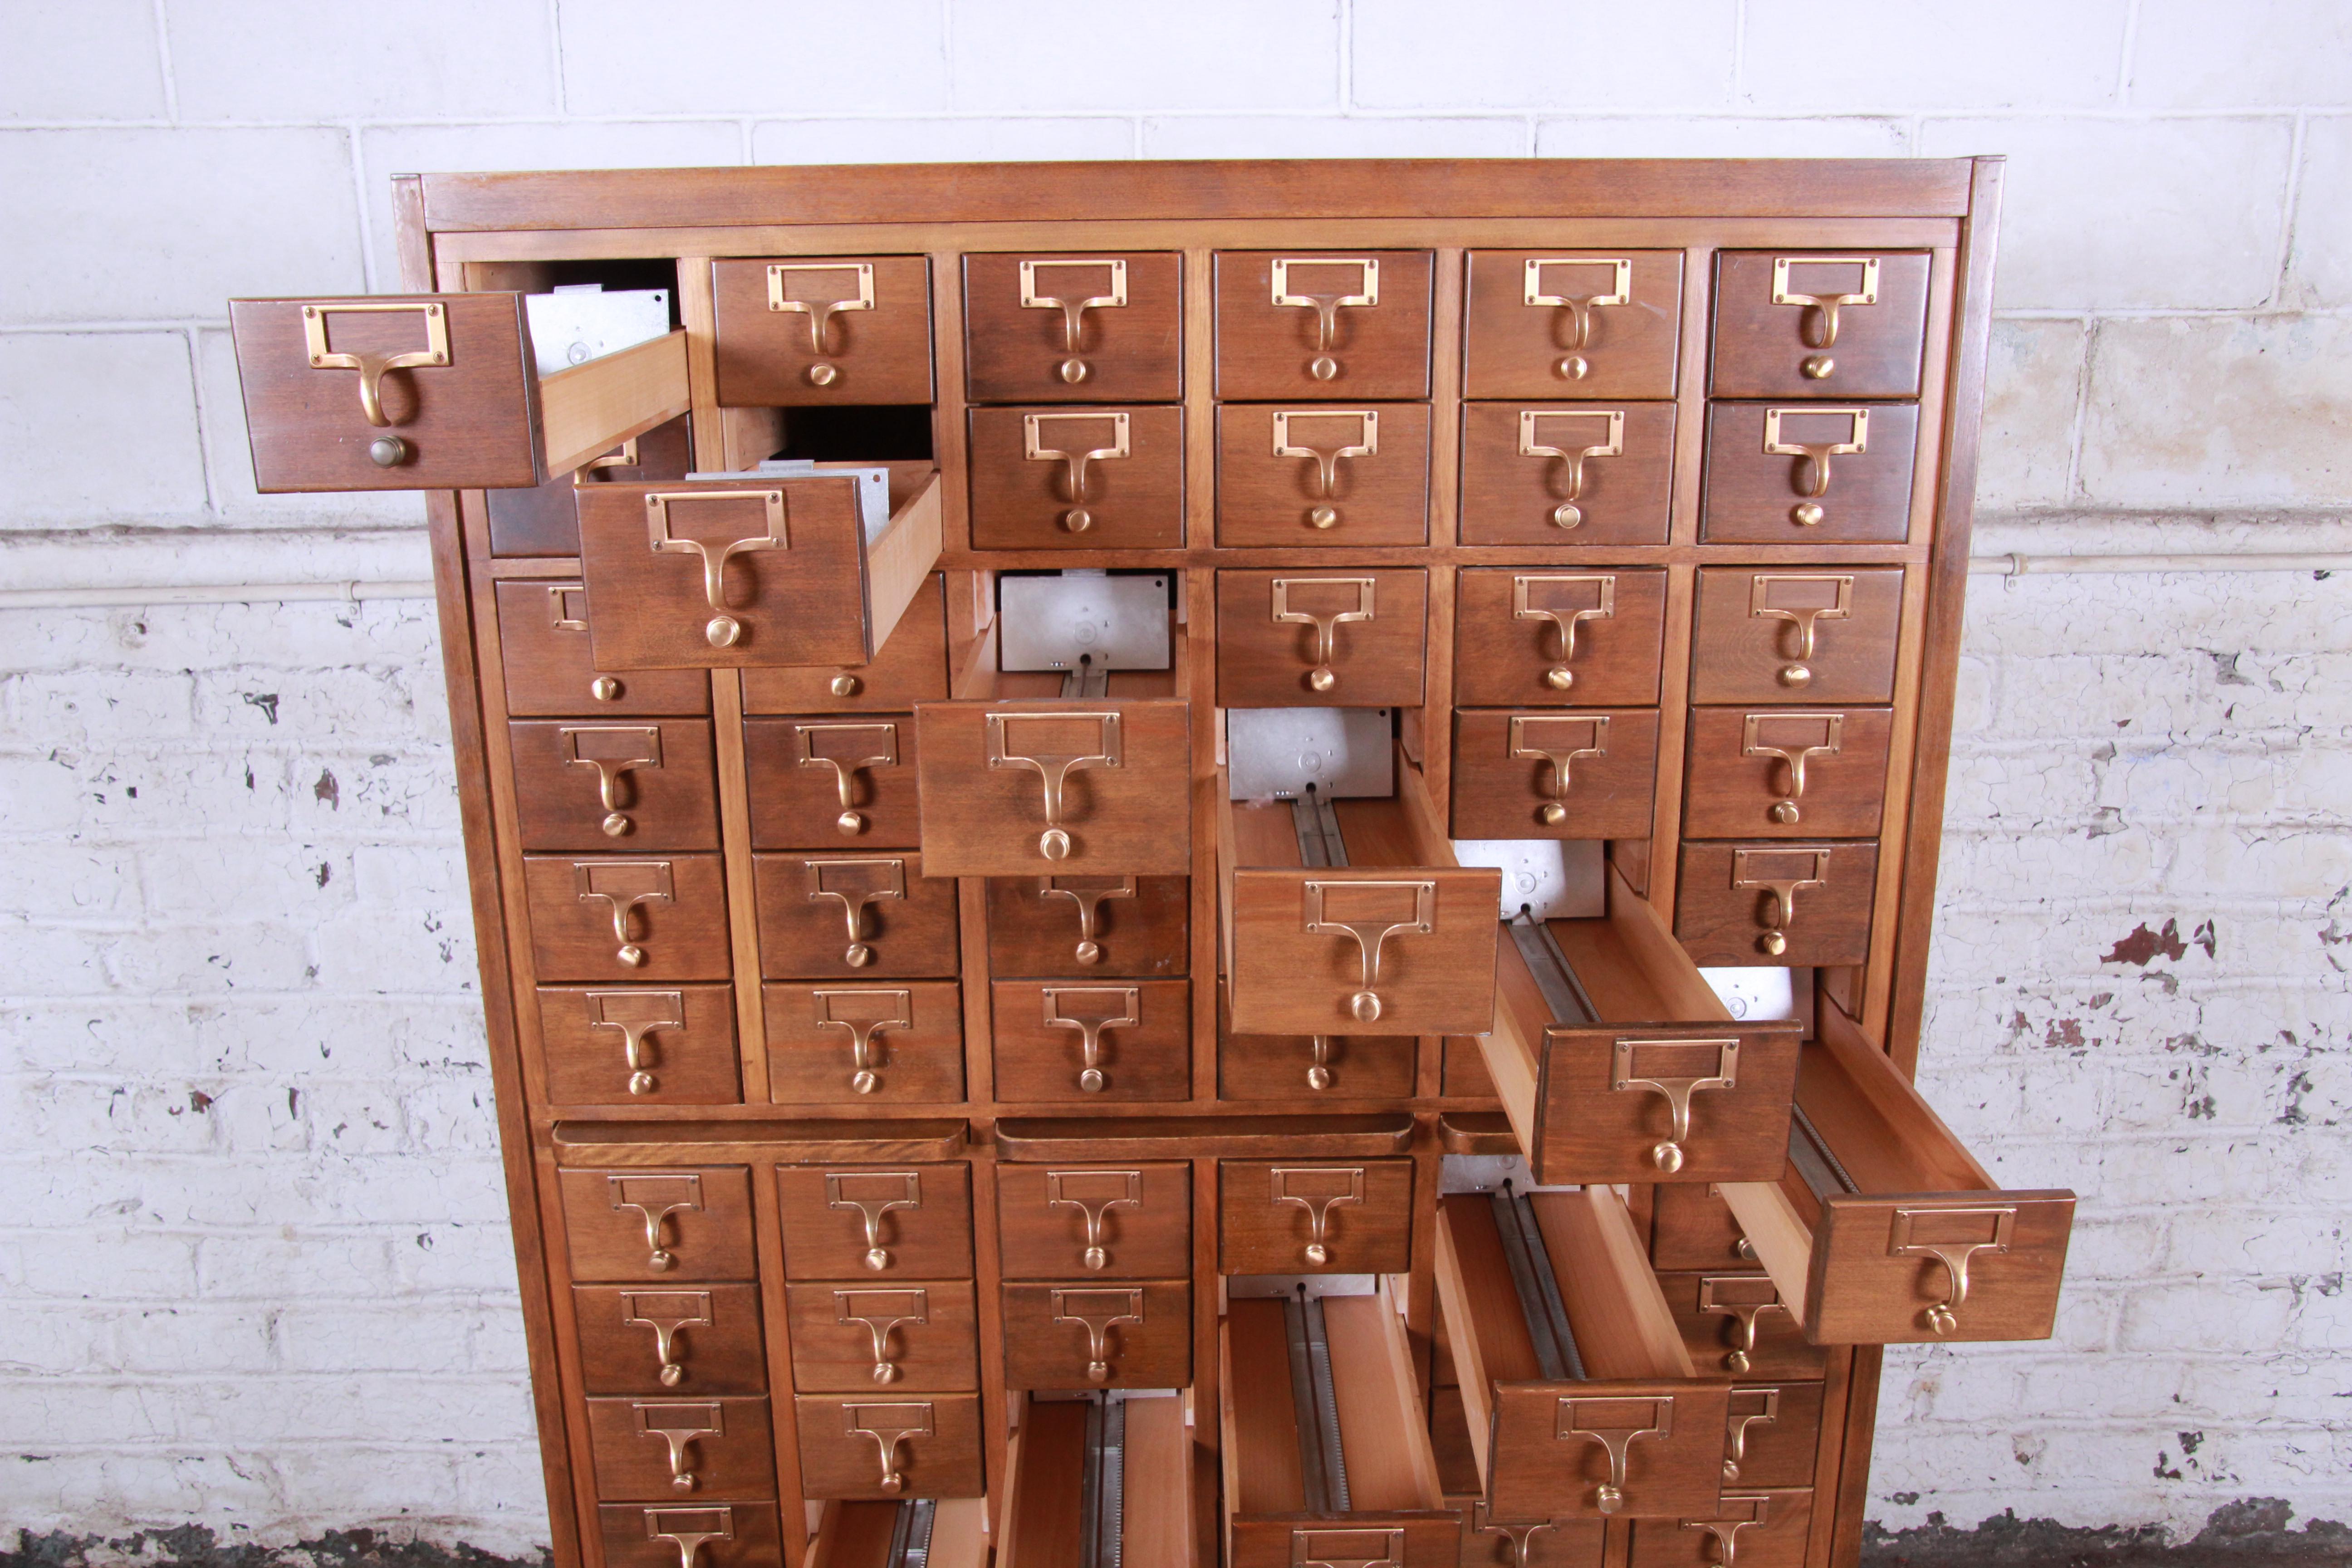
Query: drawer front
462, 413
1304, 945
1797, 904
796, 331
1088, 1040
1322, 324
1793, 474
640, 1044
833, 782
1119, 1221
1593, 638
876, 1222
545, 520
1692, 1227
659, 1225
1819, 323
912, 667
605, 784
1098, 1333
707, 1534
1554, 773
1766, 1529
1787, 773
650, 1449
1029, 788
1566, 473
862, 1043
1084, 328
1773, 1435
1299, 1069
1691, 1102
857, 1338
1597, 323
1796, 634
543, 646
1882, 1268
670, 1340
1466, 1077
893, 1445
1343, 638
854, 917
1077, 478
1416, 1540
1323, 474
1100, 925
1550, 1448
609, 918
1315, 1216
1735, 1324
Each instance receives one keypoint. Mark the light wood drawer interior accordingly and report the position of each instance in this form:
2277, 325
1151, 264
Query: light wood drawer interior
1147, 1500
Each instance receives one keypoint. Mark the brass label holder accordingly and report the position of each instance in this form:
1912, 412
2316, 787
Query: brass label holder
1573, 365
678, 1426
722, 630
1521, 1537
1074, 307
890, 884
1720, 1296
690, 1530
1626, 1078
1326, 306
1812, 480
1089, 899
1568, 513
872, 1195
821, 313
1779, 910
891, 1426
1727, 1524
1098, 1310
1752, 743
1093, 1011
1349, 1184
1526, 743
668, 1313
653, 1197
1077, 475
1094, 1193
881, 1313
1559, 677
1370, 935
623, 886
880, 752
1955, 1255
1735, 1437
637, 1015
1347, 1548
1806, 618
385, 451
1321, 677
1818, 327
887, 1010
1325, 486
1610, 1422
1053, 768
639, 746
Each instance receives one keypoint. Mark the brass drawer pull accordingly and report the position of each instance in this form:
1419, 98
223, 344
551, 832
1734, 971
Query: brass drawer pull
637, 1015
873, 1194
1099, 1311
627, 747
1076, 476
1955, 1252
1568, 514
1319, 1076
1564, 621
881, 751
1767, 871
1069, 1190
1322, 677
561, 617
668, 1313
1813, 477
623, 885
1371, 934
1089, 901
821, 313
1527, 740
1818, 327
1726, 1528
655, 1199
1735, 1437
689, 1529
1785, 810
1612, 1424
890, 884
722, 630
1349, 1194
1626, 1078
1055, 768
678, 1426
1091, 1010
889, 1010
1573, 366
1327, 460
890, 1425
880, 1313
1347, 1548
1806, 618
1074, 309
385, 451
1520, 1536
1326, 306
1719, 1296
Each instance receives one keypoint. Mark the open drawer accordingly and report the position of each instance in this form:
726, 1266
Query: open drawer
1132, 1459
1884, 1227
927, 1532
412, 392
1326, 1454
1616, 1062
1581, 1399
753, 569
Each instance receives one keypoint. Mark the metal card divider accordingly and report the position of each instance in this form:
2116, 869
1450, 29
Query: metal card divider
910, 1533
1322, 1458
1808, 1152
1320, 843
1103, 1501
1563, 993
1537, 1286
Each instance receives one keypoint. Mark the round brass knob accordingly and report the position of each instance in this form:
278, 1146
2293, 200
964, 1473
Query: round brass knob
1575, 367
1365, 1006
1092, 1080
672, 1375
1089, 952
660, 1260
885, 1372
1773, 943
1807, 514
1784, 812
1730, 1469
865, 1081
1323, 677
1736, 1363
387, 451
641, 1083
1073, 371
1098, 1370
877, 1259
683, 1482
894, 1482
823, 375
850, 822
1566, 514
1817, 367
843, 686
1054, 844
1097, 1256
1795, 674
1323, 367
1609, 1498
1323, 516
616, 825
1667, 1157
1552, 814
631, 954
723, 631
603, 688
1560, 678
1077, 520
1942, 1319
1317, 1254
858, 956
1318, 1078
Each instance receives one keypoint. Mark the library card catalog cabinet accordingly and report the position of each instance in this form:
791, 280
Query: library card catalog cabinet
1200, 862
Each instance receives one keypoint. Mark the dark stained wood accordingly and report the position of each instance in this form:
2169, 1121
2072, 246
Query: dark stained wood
683, 937
1501, 660
932, 1341
1047, 1341
1266, 663
1140, 925
1139, 1212
1693, 1227
714, 1339
1772, 1529
1498, 794
665, 788
990, 821
1265, 498
544, 645
765, 356
1754, 496
1508, 498
1263, 350
925, 1233
689, 1062
636, 1534
1761, 348
796, 770
732, 1455
1035, 1061
704, 1216
1711, 1306
1513, 349
1333, 1135
912, 667
1266, 1210
1723, 925
1134, 501
1126, 353
837, 1461
545, 520
918, 1061
1730, 794
1739, 656
907, 928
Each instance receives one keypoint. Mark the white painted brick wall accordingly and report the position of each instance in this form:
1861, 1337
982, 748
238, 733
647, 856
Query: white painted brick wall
253, 1255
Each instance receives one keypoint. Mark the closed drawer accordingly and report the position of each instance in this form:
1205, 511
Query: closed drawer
1787, 773
1591, 638
1798, 635
861, 1222
1099, 925
543, 646
545, 520
832, 783
1322, 324
1088, 1040
1793, 474
639, 1045
1819, 323
1080, 478
1330, 638
601, 784
1561, 772
1593, 323
1328, 475
1039, 786
707, 1534
1692, 1227
881, 1446
670, 1340
1773, 1435
863, 917
1797, 904
1566, 473
853, 1338
910, 668
1301, 1068
659, 1225
1097, 1333
646, 1449
619, 918
1315, 1216
860, 1043
806, 330
1130, 1220
1734, 1322
1090, 328
1766, 1529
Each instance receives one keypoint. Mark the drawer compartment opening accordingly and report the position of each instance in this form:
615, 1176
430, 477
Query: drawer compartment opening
1131, 1456
922, 1533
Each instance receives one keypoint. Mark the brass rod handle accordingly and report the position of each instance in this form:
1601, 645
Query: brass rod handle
1597, 1420
1091, 1026
891, 883
1074, 306
1100, 1312
1677, 1088
1320, 676
1573, 456
1564, 620
1573, 365
668, 1314
654, 1199
873, 1208
1784, 809
373, 366
1954, 1254
1372, 934
883, 753
1319, 1204
890, 1009
1063, 1190
1053, 768
722, 630
1076, 457
889, 1426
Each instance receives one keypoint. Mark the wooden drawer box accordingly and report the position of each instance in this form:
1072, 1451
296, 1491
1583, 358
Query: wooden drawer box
1591, 638
1066, 1040
853, 1339
1733, 1321
1083, 328
1130, 1220
1077, 478
1786, 773
864, 1222
543, 646
1046, 1509
1804, 905
803, 330
1335, 638
1325, 1066
1099, 925
1766, 1529
911, 666
1566, 473
605, 784
1590, 324
1819, 323
412, 392
545, 520
862, 917
1796, 634
1555, 773
737, 573
1098, 1333
608, 918
1329, 475
1336, 324
683, 1341
639, 1045
1034, 786
1315, 1216
833, 782
646, 1449
662, 1225
707, 1534
1794, 474
890, 1445
867, 1043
